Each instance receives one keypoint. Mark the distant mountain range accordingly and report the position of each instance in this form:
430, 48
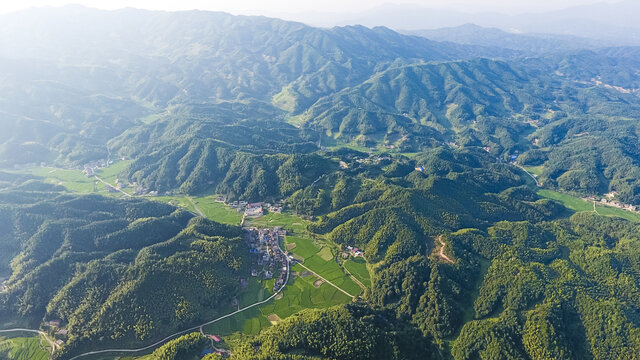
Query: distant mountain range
612, 22
532, 43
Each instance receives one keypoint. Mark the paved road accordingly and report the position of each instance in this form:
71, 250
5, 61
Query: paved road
327, 281
54, 346
199, 327
530, 174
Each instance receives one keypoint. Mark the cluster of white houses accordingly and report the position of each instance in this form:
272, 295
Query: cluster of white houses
269, 257
89, 169
608, 200
251, 209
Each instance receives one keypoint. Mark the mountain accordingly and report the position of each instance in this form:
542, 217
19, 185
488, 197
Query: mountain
613, 22
507, 107
471, 34
398, 157
72, 85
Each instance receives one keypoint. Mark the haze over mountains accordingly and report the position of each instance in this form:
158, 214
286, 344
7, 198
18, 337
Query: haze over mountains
434, 194
611, 22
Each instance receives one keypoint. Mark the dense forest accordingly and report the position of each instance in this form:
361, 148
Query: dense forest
113, 271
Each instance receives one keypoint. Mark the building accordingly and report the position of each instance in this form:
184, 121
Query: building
221, 199
215, 338
253, 211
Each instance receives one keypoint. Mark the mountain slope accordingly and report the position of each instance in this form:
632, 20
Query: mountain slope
114, 271
72, 85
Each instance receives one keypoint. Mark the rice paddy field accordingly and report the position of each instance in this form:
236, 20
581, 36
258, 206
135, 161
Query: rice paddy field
73, 180
218, 211
302, 292
22, 348
358, 268
299, 294
285, 220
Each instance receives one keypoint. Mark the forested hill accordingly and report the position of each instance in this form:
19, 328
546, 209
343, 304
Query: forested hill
170, 90
69, 86
113, 271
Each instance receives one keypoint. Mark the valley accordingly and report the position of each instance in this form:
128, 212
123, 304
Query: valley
200, 185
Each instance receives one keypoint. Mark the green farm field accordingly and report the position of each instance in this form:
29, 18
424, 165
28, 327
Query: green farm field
578, 205
218, 211
22, 348
358, 268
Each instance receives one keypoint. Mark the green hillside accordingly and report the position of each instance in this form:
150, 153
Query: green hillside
114, 271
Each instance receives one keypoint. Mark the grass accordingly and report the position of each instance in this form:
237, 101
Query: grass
570, 202
22, 348
358, 268
73, 180
110, 173
617, 212
218, 211
579, 205
535, 170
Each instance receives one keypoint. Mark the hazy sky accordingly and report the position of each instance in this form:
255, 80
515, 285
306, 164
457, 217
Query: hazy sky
276, 7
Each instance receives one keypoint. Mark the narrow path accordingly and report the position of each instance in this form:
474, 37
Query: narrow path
106, 183
594, 207
195, 328
441, 253
196, 207
327, 281
354, 278
54, 346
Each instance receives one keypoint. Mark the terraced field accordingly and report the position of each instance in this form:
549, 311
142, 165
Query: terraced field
22, 348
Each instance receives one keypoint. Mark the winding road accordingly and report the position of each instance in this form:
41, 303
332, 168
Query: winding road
441, 253
528, 173
198, 327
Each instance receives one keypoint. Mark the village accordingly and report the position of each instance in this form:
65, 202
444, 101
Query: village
252, 209
270, 260
608, 200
